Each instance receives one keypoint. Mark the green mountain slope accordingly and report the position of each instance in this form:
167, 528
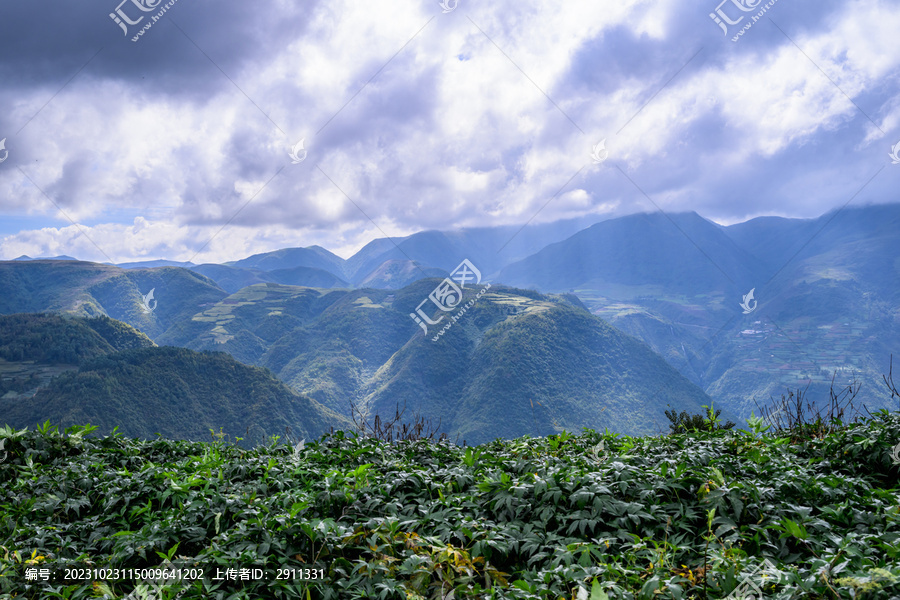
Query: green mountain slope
54, 338
234, 279
491, 248
335, 356
396, 274
531, 364
306, 276
512, 348
314, 257
832, 311
231, 279
176, 392
35, 348
245, 324
828, 292
321, 342
91, 289
680, 253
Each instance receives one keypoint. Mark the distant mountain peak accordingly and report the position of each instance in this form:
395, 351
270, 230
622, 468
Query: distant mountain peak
25, 257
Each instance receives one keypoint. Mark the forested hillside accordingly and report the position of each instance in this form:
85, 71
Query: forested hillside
54, 338
174, 392
104, 372
516, 362
151, 300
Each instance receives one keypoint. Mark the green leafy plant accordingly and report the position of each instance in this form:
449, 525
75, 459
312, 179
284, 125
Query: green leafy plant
682, 423
673, 517
757, 425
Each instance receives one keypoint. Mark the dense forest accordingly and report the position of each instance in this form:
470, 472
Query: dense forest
62, 339
114, 376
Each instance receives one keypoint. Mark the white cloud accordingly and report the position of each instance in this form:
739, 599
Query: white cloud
450, 133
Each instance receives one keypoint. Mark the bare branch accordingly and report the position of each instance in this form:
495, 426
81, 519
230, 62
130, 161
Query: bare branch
394, 429
787, 416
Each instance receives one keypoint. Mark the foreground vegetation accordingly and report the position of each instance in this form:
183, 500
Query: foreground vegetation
688, 515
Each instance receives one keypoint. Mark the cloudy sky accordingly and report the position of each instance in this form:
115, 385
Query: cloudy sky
415, 116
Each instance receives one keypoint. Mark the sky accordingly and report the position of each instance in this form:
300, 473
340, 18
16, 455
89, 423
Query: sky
183, 142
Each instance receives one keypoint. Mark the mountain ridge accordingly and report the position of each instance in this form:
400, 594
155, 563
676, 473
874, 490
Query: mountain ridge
826, 297
110, 375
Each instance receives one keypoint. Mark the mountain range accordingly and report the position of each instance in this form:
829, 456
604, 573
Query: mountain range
516, 362
512, 363
388, 263
743, 312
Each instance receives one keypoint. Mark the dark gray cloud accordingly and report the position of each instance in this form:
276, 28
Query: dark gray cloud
428, 120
